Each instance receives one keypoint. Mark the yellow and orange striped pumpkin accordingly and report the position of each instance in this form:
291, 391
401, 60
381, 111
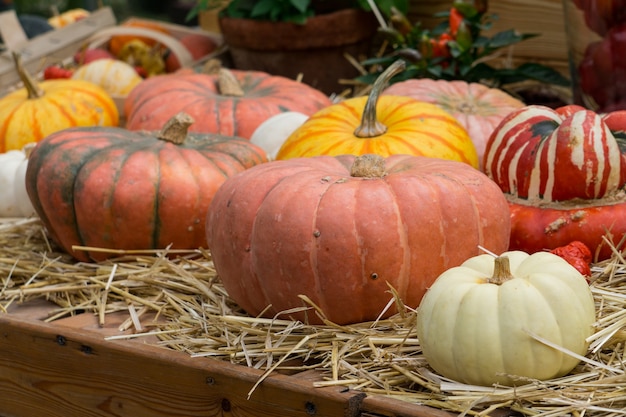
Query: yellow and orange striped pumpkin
40, 109
383, 125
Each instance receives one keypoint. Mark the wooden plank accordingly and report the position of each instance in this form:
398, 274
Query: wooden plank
54, 370
67, 368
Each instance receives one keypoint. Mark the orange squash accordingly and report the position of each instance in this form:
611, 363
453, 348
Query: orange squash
477, 107
116, 43
384, 125
341, 230
40, 109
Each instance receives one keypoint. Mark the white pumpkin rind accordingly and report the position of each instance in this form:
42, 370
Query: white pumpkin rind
480, 333
14, 201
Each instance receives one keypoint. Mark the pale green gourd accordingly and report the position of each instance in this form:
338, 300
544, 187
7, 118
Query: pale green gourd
482, 327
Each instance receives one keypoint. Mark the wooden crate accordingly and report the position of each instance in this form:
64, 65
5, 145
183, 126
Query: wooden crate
543, 17
67, 369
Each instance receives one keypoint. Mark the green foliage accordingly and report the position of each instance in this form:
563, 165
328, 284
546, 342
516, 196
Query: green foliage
456, 50
295, 11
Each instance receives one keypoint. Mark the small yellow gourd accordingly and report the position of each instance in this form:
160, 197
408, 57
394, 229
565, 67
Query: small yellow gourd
486, 322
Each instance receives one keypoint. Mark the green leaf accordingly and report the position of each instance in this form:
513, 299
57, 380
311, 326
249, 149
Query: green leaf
300, 5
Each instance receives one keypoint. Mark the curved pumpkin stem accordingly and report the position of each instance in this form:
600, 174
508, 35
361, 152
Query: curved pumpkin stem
175, 129
501, 271
33, 89
228, 84
370, 126
368, 166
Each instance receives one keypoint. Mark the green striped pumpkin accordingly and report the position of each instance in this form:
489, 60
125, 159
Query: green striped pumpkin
112, 188
383, 125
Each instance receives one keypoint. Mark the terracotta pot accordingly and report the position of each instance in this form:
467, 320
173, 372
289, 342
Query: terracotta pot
316, 49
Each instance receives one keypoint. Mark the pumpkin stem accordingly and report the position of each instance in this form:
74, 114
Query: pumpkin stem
228, 84
175, 129
501, 271
368, 166
370, 126
34, 91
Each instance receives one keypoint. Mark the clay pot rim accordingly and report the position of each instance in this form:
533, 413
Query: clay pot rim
343, 27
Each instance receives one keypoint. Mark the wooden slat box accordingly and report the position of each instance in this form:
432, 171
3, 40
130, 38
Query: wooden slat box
67, 369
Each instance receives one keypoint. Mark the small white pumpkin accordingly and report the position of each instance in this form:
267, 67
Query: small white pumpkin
272, 133
14, 201
116, 77
481, 323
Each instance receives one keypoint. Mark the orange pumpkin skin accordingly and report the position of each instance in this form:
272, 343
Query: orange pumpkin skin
478, 108
157, 99
111, 188
64, 104
306, 226
413, 128
535, 229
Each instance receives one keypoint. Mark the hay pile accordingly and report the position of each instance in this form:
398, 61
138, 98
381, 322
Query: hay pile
181, 301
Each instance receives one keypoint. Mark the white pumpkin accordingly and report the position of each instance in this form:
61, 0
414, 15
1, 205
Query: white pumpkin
116, 77
14, 201
272, 133
486, 321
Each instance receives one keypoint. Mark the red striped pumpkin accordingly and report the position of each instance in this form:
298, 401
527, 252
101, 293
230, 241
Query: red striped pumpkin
231, 103
341, 230
39, 109
563, 172
384, 125
112, 188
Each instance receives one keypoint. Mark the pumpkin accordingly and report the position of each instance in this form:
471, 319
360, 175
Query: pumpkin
68, 17
117, 42
342, 230
478, 108
231, 102
563, 173
384, 125
198, 44
117, 77
14, 201
271, 134
40, 109
485, 322
112, 188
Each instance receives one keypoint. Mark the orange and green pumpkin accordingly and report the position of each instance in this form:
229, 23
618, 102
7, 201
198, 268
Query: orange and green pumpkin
229, 102
384, 125
116, 189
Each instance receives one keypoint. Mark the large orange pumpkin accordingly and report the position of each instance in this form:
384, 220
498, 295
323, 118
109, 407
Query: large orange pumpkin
477, 107
112, 188
341, 230
40, 109
230, 102
384, 125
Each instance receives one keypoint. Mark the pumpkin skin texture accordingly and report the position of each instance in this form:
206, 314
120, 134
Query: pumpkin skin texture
14, 201
218, 110
310, 226
111, 188
478, 108
40, 109
563, 173
476, 330
384, 125
117, 77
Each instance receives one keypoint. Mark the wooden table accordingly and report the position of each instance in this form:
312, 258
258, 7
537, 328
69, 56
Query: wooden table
68, 369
